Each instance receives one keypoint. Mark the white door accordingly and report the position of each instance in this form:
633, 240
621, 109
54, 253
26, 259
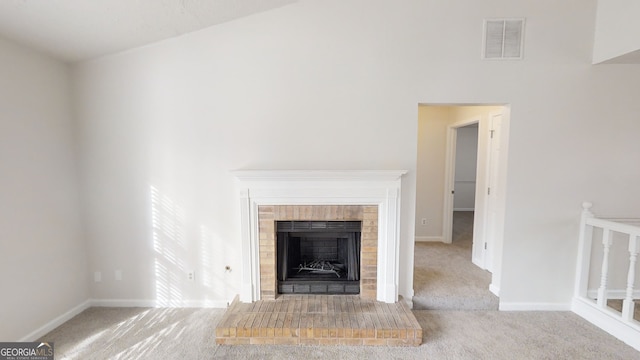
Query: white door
491, 233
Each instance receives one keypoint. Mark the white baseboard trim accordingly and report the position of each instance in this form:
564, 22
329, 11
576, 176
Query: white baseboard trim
608, 321
59, 320
478, 262
123, 303
409, 302
494, 289
159, 304
429, 239
464, 209
507, 306
207, 304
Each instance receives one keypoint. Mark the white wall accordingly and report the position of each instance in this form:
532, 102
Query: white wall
432, 146
465, 172
617, 29
336, 84
42, 255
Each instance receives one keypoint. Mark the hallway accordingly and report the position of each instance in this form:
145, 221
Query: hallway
444, 276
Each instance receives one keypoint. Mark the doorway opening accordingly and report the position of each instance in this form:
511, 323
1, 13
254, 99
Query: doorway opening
461, 173
460, 179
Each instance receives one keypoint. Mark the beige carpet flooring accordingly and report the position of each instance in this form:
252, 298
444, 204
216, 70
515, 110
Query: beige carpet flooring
444, 276
142, 333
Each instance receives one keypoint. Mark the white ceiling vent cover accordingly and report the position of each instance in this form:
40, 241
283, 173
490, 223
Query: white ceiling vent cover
503, 39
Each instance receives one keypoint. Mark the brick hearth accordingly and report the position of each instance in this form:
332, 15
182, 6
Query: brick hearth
319, 320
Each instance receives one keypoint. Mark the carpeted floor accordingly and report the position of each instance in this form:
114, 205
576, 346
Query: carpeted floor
143, 333
445, 279
444, 276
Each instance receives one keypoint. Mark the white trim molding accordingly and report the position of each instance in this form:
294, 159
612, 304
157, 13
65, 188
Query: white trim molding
150, 303
518, 306
494, 289
607, 320
322, 187
429, 239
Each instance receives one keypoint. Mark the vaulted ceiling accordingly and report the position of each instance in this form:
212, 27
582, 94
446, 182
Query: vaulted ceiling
75, 30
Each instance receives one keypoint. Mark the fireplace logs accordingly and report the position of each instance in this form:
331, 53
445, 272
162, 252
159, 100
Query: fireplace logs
321, 267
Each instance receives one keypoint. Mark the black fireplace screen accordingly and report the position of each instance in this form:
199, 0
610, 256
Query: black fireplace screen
320, 255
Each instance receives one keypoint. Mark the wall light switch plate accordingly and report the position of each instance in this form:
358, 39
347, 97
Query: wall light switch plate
118, 275
97, 276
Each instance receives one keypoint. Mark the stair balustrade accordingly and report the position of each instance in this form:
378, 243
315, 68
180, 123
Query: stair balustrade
619, 247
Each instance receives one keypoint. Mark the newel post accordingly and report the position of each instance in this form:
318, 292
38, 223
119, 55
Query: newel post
584, 251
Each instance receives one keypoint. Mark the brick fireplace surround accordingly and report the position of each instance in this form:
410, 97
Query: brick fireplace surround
269, 214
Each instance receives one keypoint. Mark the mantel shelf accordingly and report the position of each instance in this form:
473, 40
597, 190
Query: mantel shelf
318, 175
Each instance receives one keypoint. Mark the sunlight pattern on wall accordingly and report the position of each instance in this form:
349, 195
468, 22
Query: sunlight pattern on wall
168, 221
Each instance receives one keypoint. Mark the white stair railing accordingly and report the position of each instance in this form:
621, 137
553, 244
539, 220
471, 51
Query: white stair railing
628, 305
604, 272
620, 324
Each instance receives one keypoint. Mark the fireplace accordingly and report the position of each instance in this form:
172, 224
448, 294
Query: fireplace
318, 257
371, 197
293, 219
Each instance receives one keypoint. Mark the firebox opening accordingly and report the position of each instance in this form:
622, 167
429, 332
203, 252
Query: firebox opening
318, 257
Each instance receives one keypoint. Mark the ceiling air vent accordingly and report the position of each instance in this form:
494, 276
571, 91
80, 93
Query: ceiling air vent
503, 39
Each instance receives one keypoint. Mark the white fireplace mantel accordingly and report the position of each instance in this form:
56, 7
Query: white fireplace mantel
322, 187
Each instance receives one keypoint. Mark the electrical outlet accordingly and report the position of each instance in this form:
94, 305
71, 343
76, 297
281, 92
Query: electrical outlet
191, 275
97, 276
424, 221
118, 275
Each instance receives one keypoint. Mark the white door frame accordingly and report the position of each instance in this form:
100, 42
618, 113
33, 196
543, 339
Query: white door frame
498, 191
492, 204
